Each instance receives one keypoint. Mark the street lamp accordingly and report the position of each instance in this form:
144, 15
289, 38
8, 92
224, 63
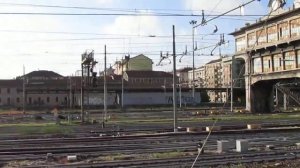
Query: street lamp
193, 23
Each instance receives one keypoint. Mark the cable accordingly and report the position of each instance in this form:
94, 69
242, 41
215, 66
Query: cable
124, 14
104, 9
215, 7
98, 34
204, 143
225, 13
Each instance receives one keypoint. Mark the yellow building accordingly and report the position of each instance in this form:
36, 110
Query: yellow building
137, 63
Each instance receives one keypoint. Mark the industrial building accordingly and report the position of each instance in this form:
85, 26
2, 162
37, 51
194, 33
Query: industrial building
270, 49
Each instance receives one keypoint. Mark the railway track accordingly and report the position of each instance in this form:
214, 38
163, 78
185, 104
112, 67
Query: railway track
93, 147
204, 161
135, 146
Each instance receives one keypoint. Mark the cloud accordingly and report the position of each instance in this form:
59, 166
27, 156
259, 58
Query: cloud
107, 2
136, 31
20, 46
142, 25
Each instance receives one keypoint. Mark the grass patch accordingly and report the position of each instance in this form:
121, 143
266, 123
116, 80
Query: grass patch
163, 155
36, 128
167, 155
46, 129
235, 117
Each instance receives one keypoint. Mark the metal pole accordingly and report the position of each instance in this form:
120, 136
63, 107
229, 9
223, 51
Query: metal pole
180, 95
122, 96
285, 101
70, 98
82, 98
276, 92
193, 80
24, 92
231, 85
174, 82
105, 86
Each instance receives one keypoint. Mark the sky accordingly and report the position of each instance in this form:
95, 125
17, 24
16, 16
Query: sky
56, 42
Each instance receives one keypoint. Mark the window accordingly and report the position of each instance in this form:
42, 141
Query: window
298, 58
29, 100
267, 63
240, 44
295, 27
8, 90
56, 99
262, 36
257, 65
272, 33
48, 99
18, 100
277, 62
289, 60
251, 39
283, 30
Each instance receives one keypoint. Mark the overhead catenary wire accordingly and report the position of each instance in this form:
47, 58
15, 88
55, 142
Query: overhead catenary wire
100, 34
115, 9
125, 14
225, 13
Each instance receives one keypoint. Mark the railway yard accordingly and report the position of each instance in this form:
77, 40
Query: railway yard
146, 139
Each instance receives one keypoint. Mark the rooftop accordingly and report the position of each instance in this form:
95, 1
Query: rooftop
275, 16
43, 74
148, 74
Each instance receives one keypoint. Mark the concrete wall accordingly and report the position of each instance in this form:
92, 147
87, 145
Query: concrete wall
9, 96
155, 98
140, 98
15, 99
98, 99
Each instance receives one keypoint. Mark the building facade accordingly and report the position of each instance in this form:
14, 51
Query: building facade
213, 79
137, 63
271, 51
199, 75
183, 75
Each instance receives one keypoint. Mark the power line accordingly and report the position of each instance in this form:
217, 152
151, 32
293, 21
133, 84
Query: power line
102, 9
215, 6
93, 8
126, 14
89, 39
97, 34
122, 9
225, 13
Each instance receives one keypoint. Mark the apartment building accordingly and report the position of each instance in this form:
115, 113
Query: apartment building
137, 63
183, 75
213, 79
199, 75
